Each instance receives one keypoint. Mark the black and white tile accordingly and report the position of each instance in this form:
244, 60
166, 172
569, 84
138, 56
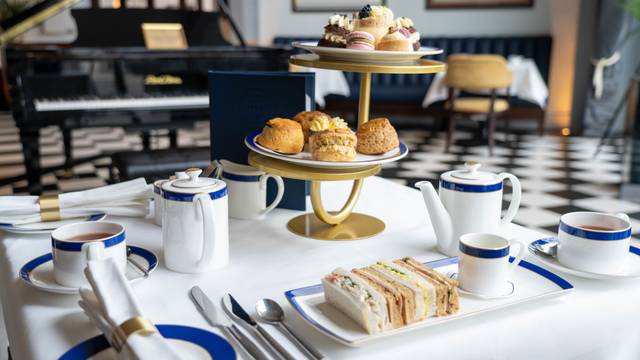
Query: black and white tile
558, 174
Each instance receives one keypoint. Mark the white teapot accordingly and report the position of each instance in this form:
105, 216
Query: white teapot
469, 201
195, 223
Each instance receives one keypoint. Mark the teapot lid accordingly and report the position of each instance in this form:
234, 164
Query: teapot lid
193, 183
471, 175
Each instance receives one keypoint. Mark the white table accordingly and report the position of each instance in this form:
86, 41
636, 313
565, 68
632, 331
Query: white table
327, 82
596, 321
527, 83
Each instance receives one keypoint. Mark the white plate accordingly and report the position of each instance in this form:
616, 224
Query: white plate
188, 342
533, 283
39, 271
47, 227
304, 158
632, 270
365, 56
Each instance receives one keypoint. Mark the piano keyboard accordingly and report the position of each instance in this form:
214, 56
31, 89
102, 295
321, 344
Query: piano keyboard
147, 103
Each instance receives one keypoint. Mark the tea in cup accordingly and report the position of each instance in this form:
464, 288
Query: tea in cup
594, 242
484, 267
72, 245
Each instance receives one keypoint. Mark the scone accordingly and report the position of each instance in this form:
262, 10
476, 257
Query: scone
282, 135
377, 136
320, 124
333, 145
306, 118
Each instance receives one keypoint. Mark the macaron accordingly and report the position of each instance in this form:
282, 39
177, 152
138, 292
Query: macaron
360, 40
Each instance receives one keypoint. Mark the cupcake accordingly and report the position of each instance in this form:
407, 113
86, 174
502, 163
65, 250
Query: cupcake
360, 40
335, 32
404, 23
375, 20
395, 40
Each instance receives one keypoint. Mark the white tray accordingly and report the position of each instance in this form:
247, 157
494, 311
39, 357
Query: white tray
365, 56
304, 158
531, 283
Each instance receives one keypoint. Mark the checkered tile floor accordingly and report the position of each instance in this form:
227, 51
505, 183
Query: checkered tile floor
558, 174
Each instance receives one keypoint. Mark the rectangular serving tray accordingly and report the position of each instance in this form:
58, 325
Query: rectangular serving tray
531, 282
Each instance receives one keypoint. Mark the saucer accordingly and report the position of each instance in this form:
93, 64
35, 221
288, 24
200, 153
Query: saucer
508, 289
49, 226
188, 342
632, 270
39, 271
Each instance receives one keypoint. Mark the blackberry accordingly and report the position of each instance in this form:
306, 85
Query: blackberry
365, 12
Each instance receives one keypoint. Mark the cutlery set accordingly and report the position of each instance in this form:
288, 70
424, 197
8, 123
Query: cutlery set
267, 310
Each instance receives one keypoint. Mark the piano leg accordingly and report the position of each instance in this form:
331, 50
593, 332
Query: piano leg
173, 138
31, 151
146, 140
66, 138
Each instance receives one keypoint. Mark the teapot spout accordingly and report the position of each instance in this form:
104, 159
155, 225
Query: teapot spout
440, 218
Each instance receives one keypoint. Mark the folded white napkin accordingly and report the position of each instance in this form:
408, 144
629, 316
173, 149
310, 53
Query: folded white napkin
109, 303
129, 198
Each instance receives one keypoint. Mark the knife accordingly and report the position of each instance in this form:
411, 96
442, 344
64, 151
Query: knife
208, 310
235, 309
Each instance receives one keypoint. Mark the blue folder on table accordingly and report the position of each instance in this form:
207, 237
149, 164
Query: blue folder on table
242, 102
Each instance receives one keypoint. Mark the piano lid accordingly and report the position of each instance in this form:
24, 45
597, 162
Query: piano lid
122, 27
31, 17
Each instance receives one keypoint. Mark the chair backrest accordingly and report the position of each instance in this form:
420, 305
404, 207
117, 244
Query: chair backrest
475, 72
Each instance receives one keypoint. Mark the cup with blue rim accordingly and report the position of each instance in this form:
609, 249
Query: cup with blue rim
594, 242
484, 267
73, 244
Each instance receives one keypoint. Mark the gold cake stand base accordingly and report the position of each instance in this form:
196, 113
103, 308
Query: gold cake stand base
357, 226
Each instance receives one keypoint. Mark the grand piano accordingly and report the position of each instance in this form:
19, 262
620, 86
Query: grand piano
107, 77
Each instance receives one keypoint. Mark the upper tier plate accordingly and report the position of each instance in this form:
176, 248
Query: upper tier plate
365, 56
304, 158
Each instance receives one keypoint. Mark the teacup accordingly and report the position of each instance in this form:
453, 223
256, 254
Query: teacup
73, 243
248, 190
484, 267
594, 242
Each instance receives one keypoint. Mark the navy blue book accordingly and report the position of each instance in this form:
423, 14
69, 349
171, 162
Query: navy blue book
242, 102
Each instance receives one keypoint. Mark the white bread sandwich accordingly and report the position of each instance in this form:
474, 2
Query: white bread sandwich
358, 300
391, 294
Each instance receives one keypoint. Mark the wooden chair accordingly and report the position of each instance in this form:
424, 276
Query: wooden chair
474, 73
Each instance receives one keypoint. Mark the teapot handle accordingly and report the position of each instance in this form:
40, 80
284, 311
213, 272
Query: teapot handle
208, 240
516, 195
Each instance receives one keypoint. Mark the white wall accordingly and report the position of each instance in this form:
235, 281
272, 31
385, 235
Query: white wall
275, 17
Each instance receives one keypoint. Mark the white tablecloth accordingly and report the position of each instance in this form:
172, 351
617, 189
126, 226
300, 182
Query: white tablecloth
527, 83
597, 320
328, 82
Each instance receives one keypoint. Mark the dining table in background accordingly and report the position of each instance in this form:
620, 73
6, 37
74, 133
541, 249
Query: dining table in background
527, 83
328, 82
597, 320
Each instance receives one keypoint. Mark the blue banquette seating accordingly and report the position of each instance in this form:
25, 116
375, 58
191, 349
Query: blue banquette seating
405, 92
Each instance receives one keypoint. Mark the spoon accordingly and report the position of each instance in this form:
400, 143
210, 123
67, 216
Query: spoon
548, 248
270, 312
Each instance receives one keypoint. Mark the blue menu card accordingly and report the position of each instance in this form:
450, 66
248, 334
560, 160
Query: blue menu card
242, 101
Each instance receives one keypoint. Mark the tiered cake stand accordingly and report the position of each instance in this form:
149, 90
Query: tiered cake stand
343, 224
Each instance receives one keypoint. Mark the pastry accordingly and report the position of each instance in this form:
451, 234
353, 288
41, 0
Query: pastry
335, 32
282, 135
333, 145
360, 40
391, 294
377, 136
395, 41
305, 118
375, 20
407, 24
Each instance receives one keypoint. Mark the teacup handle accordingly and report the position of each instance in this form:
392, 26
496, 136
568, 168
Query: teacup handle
93, 250
279, 194
516, 195
522, 252
204, 202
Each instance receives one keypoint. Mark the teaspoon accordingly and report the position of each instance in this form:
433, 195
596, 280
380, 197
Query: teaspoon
270, 311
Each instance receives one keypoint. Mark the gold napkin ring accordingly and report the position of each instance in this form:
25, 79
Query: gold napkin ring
49, 207
135, 325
